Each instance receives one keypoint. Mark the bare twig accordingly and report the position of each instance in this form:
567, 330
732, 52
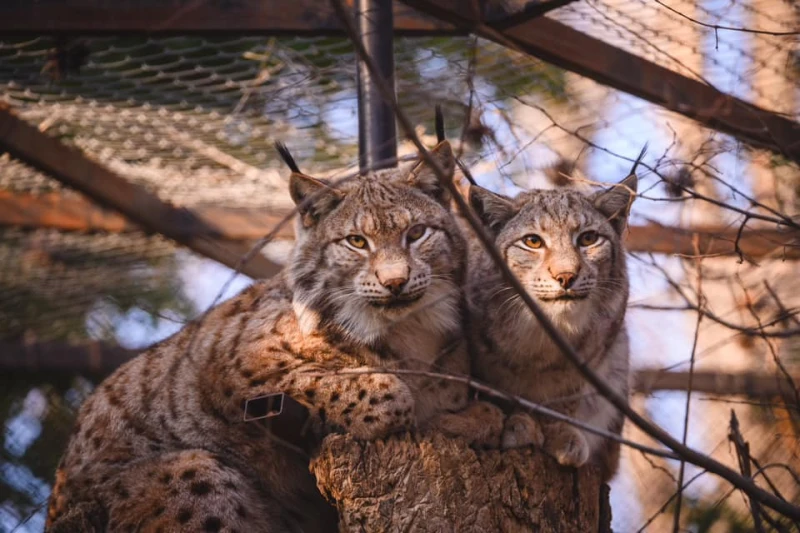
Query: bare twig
743, 456
716, 27
681, 471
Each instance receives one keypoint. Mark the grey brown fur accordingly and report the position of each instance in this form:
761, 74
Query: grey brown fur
161, 446
583, 290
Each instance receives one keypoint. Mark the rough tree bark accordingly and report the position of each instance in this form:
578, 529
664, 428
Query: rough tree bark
435, 484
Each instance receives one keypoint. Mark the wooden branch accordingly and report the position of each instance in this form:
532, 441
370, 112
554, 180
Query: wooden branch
271, 17
573, 50
431, 484
73, 212
73, 168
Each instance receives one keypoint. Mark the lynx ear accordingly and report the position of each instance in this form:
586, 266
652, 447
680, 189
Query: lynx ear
314, 198
493, 209
615, 203
423, 177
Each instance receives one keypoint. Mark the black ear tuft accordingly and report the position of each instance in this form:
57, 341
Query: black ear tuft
439, 124
638, 160
286, 155
423, 176
494, 210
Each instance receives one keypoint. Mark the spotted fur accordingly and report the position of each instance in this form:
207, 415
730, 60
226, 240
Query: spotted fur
566, 250
161, 445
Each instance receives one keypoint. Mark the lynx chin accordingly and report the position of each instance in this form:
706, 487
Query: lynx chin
374, 284
566, 250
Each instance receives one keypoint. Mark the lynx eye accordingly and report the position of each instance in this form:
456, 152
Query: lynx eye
533, 241
416, 232
357, 241
588, 238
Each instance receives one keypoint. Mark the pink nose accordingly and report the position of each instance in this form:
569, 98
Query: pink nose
395, 285
566, 279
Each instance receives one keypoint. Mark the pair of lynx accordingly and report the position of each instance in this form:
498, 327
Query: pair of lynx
376, 281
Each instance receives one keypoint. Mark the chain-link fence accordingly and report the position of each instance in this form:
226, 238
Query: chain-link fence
193, 119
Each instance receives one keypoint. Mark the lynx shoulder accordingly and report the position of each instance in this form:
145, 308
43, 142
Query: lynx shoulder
374, 283
566, 250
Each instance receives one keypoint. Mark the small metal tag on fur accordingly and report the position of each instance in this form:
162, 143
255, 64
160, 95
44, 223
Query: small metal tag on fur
282, 415
266, 406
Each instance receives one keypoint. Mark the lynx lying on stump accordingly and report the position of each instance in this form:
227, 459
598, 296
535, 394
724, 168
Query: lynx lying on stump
374, 282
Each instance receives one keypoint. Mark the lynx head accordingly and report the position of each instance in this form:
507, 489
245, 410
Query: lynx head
563, 246
377, 250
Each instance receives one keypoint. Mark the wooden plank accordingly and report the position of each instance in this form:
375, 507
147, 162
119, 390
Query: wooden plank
542, 37
754, 243
94, 358
573, 50
75, 169
73, 212
261, 17
750, 384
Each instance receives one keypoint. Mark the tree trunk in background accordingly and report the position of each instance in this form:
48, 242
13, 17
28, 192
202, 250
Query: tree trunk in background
434, 484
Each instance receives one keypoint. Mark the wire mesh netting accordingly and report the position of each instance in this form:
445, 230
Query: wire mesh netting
193, 119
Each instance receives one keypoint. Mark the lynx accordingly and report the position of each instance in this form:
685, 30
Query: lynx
374, 282
566, 250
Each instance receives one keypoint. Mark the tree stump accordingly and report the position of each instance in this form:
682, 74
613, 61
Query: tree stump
435, 484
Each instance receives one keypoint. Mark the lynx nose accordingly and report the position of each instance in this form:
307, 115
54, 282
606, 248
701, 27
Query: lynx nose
393, 276
566, 279
395, 285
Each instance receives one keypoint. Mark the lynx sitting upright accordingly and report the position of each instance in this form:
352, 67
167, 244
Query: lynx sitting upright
566, 250
374, 281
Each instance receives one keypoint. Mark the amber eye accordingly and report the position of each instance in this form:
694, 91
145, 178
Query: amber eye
415, 233
533, 241
588, 238
357, 241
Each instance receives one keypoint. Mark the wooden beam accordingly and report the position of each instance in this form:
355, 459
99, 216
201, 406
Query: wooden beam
573, 50
754, 243
75, 169
73, 212
94, 358
750, 384
542, 37
257, 17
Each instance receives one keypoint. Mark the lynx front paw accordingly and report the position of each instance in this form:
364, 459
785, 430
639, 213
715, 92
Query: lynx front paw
481, 424
567, 445
521, 430
383, 405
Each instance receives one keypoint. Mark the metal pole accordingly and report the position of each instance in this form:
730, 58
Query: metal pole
377, 134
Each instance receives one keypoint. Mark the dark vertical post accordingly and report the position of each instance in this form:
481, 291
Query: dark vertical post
377, 137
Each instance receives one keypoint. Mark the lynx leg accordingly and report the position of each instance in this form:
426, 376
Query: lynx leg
566, 444
190, 491
521, 430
